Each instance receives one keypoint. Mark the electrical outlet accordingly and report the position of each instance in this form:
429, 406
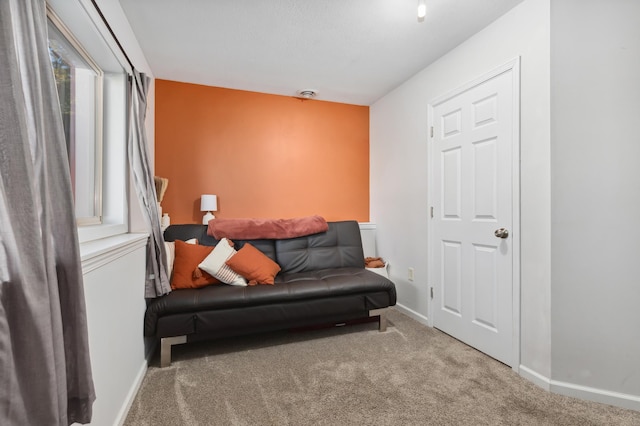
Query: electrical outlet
410, 274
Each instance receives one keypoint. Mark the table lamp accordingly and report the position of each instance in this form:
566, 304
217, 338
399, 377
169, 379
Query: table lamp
208, 203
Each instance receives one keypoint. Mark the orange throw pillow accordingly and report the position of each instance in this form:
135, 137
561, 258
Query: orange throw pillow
254, 265
186, 273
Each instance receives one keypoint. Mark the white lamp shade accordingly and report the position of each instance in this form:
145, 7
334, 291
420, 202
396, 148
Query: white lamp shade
208, 203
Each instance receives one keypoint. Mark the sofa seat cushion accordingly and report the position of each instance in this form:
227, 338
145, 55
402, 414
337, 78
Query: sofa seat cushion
288, 287
332, 282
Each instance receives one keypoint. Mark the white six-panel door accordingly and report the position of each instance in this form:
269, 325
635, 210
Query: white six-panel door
472, 197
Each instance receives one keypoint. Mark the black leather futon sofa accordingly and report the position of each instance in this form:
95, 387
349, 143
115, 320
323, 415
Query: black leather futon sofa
323, 281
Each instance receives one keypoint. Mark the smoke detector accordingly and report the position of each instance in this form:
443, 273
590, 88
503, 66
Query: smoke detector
307, 93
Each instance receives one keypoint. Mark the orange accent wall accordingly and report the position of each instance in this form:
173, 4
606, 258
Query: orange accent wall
264, 156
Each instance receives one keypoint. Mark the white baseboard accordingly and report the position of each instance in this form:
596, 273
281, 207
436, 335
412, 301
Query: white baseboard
603, 396
618, 399
535, 377
413, 314
131, 395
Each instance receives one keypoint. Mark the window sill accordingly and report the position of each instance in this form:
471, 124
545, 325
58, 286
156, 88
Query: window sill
88, 234
97, 253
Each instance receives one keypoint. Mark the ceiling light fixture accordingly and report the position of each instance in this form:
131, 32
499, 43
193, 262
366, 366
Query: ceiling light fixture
307, 93
422, 9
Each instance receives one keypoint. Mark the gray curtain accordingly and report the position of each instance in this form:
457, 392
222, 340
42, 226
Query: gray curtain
157, 282
45, 371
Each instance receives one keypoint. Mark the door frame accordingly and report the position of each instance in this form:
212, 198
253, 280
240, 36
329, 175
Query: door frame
513, 66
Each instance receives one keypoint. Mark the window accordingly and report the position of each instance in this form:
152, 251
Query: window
79, 83
91, 78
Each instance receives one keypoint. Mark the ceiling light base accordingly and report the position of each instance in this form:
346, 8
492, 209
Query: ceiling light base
307, 93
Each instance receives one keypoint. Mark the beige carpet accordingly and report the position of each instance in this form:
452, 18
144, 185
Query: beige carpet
354, 375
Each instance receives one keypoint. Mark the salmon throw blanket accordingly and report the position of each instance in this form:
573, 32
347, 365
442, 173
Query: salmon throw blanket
275, 229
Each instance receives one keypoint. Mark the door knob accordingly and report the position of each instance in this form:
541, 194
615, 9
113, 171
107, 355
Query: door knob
501, 233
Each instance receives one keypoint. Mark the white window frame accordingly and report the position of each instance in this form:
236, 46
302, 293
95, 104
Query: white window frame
82, 20
96, 219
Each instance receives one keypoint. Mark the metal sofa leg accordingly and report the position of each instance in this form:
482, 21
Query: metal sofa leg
165, 348
382, 313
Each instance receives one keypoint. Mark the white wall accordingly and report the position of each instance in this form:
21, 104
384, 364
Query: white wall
399, 166
595, 107
114, 295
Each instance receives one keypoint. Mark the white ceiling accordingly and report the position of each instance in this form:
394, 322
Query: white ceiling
351, 51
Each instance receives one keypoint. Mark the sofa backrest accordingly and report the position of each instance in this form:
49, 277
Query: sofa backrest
187, 231
339, 247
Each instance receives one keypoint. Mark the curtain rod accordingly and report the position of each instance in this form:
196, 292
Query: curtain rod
113, 34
